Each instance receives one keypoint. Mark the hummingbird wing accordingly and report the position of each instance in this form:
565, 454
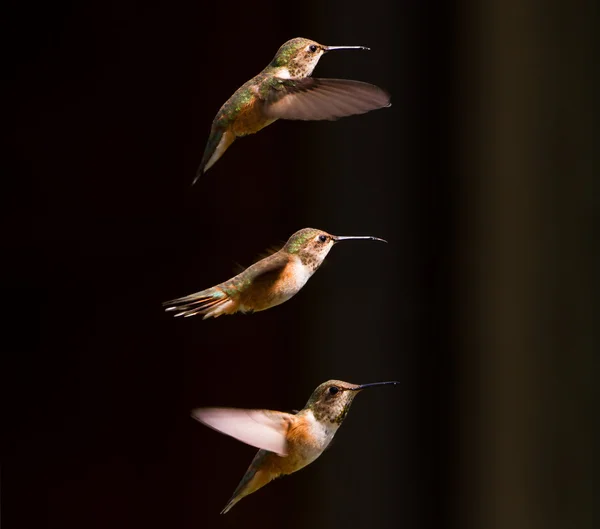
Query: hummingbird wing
316, 99
264, 429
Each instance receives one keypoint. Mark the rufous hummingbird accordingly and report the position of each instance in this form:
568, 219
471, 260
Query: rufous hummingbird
287, 442
285, 90
266, 283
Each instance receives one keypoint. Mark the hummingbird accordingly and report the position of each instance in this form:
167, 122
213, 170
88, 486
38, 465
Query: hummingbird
285, 90
287, 442
266, 283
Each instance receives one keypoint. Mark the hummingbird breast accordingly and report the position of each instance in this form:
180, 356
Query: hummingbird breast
307, 438
250, 120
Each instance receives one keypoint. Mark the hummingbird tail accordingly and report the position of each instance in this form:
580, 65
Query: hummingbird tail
230, 504
211, 302
254, 478
218, 142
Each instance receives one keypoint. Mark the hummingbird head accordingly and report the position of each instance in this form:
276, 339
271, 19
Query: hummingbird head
312, 246
298, 57
332, 399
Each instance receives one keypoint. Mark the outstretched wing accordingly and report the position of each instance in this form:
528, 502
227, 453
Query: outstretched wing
317, 99
264, 429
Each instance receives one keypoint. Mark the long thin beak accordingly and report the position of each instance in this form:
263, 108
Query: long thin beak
363, 386
356, 237
333, 48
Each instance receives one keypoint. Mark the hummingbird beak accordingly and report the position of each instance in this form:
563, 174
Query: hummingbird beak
333, 48
356, 237
363, 386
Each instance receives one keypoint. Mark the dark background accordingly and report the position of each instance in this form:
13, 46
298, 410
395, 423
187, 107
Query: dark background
478, 176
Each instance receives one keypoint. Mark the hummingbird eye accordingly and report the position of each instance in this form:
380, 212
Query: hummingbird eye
322, 238
312, 48
333, 390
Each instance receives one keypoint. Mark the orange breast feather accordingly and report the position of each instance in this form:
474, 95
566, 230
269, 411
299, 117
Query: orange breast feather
250, 119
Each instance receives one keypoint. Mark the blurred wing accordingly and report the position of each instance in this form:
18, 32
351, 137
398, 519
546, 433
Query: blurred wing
261, 428
316, 99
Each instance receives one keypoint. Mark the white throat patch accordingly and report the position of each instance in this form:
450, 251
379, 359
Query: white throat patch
283, 73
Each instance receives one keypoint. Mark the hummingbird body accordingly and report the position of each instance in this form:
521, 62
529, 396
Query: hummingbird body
284, 90
267, 283
287, 442
307, 439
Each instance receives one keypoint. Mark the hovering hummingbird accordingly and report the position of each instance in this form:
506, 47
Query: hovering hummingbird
268, 282
285, 90
287, 442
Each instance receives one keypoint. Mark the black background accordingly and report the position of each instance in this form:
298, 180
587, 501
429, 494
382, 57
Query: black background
479, 304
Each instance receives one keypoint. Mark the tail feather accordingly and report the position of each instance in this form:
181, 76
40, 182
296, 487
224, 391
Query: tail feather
245, 486
230, 504
218, 142
211, 302
193, 309
254, 479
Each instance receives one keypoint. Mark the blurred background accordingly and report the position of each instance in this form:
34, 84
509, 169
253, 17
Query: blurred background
479, 176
